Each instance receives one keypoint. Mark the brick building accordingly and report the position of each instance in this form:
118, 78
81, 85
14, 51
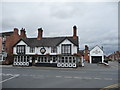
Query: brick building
115, 56
3, 38
85, 53
8, 39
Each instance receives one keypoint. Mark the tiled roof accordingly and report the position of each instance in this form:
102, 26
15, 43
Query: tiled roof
48, 41
6, 33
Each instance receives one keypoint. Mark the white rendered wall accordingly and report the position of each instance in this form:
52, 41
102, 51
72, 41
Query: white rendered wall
73, 47
48, 49
21, 43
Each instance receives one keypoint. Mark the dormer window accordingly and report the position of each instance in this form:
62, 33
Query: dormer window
32, 49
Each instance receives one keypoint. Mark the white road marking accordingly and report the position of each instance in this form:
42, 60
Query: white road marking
16, 75
58, 76
77, 77
67, 77
107, 78
97, 78
9, 75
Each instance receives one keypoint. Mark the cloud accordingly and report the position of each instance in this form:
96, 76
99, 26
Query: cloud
97, 22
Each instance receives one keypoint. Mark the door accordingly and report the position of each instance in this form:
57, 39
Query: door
96, 59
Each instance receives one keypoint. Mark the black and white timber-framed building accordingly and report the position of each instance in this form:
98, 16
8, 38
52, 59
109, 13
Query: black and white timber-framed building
47, 51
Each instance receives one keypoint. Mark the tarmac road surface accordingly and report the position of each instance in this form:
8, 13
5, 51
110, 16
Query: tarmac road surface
90, 76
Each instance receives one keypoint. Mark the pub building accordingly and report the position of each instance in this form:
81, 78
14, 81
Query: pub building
48, 51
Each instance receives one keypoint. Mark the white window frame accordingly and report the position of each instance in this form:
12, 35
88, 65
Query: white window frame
32, 50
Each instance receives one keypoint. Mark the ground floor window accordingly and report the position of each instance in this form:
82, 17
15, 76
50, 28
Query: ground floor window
67, 59
21, 58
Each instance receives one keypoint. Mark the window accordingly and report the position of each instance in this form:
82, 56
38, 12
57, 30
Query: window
66, 49
25, 58
73, 61
45, 59
54, 59
48, 60
70, 61
53, 49
32, 49
39, 60
20, 49
66, 61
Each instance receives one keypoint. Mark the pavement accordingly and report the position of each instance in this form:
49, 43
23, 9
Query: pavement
89, 76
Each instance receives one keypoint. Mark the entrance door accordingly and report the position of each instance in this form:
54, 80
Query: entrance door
96, 59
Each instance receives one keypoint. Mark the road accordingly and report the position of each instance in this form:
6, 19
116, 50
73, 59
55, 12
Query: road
90, 76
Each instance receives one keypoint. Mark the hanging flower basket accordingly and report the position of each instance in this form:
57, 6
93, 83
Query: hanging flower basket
47, 54
75, 54
36, 54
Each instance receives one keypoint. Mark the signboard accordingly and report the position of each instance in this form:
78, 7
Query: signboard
43, 50
96, 51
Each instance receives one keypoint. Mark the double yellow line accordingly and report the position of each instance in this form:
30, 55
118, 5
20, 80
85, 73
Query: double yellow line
111, 86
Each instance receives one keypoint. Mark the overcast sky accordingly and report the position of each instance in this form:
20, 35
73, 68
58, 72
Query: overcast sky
97, 22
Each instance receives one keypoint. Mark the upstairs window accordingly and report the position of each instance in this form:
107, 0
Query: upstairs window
32, 49
66, 49
20, 49
53, 49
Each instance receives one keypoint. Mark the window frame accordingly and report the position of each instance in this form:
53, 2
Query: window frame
32, 50
20, 49
54, 49
66, 49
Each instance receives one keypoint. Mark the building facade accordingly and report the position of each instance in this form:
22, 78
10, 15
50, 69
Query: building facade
96, 55
47, 51
8, 39
115, 56
3, 38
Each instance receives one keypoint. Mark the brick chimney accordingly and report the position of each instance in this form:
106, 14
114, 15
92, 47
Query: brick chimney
22, 33
40, 32
86, 47
15, 34
74, 32
15, 31
86, 52
10, 42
